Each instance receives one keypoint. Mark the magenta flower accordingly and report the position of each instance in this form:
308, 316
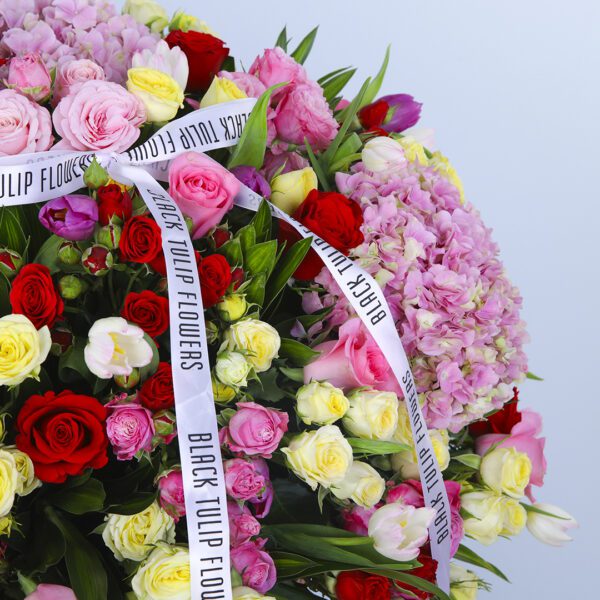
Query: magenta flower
171, 496
403, 112
254, 565
129, 428
71, 217
242, 525
251, 178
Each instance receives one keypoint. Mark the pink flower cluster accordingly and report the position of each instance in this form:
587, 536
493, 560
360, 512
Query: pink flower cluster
89, 29
457, 313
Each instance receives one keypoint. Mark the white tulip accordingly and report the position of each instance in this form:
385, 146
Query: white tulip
362, 484
171, 61
551, 530
383, 154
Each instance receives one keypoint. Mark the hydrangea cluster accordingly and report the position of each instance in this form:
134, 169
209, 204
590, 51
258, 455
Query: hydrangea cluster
79, 28
457, 312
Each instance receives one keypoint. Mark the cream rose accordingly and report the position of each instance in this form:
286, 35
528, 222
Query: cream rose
232, 307
257, 339
147, 12
221, 90
22, 349
160, 93
232, 369
320, 403
515, 516
9, 481
464, 584
506, 470
222, 393
132, 536
372, 414
165, 575
362, 484
27, 481
289, 190
321, 457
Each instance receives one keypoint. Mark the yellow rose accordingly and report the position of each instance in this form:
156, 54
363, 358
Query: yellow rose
5, 525
184, 22
362, 484
442, 165
232, 307
232, 369
506, 470
259, 340
132, 536
221, 90
372, 415
9, 481
488, 514
222, 393
27, 481
320, 457
515, 516
160, 93
22, 349
245, 593
320, 403
464, 584
147, 12
165, 575
289, 190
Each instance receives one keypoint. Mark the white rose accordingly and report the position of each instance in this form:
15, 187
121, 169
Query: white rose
463, 584
147, 12
320, 457
27, 481
132, 536
362, 484
320, 403
551, 530
372, 414
9, 481
232, 369
506, 470
399, 530
165, 575
171, 61
259, 340
115, 347
383, 154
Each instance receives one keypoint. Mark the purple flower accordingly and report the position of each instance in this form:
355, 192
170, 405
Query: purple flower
71, 217
129, 428
250, 177
403, 112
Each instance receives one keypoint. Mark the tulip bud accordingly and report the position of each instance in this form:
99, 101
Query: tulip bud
550, 528
223, 394
109, 235
289, 190
62, 340
69, 253
128, 382
10, 262
232, 307
97, 260
221, 90
71, 287
383, 154
95, 176
221, 236
164, 425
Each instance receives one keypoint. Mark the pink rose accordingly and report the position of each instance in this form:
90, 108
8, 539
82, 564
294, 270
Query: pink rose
242, 525
242, 480
264, 499
303, 114
411, 492
524, 438
249, 84
254, 565
171, 497
71, 74
203, 190
29, 75
354, 360
275, 66
49, 591
24, 125
254, 430
99, 115
356, 519
129, 428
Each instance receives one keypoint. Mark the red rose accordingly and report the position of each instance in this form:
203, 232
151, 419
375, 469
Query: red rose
500, 422
63, 434
157, 391
205, 54
426, 571
33, 294
358, 585
148, 310
373, 115
113, 202
331, 216
215, 278
141, 240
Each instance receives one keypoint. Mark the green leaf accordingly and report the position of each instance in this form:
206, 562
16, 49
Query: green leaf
296, 352
46, 547
300, 54
539, 511
72, 366
467, 555
255, 290
84, 565
261, 258
421, 584
5, 307
282, 40
531, 375
88, 497
11, 229
319, 168
376, 447
296, 374
250, 150
375, 85
472, 461
336, 84
262, 222
247, 237
291, 565
136, 503
232, 251
290, 591
150, 368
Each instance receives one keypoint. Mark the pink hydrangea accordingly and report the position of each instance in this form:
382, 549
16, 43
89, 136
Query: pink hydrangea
457, 312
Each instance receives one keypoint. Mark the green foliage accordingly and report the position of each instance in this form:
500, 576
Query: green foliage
282, 40
300, 54
363, 448
467, 555
296, 352
84, 498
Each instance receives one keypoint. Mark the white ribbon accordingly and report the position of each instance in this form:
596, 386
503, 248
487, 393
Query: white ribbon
39, 177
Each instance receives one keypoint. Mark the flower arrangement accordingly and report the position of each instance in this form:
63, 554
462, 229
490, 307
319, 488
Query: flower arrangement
107, 363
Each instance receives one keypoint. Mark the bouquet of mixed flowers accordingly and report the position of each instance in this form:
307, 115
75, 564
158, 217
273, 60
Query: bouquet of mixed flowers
202, 388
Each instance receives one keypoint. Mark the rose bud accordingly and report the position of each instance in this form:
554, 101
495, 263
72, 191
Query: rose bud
212, 332
237, 277
221, 236
97, 260
62, 340
189, 223
109, 235
223, 394
71, 287
113, 203
128, 382
10, 262
95, 175
72, 217
232, 307
69, 253
164, 424
28, 74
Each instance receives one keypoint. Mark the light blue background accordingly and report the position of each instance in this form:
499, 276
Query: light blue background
512, 90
